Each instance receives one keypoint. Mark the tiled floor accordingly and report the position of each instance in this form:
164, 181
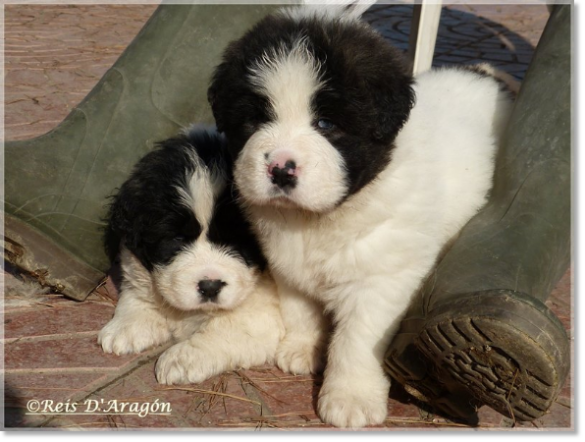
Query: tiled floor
53, 57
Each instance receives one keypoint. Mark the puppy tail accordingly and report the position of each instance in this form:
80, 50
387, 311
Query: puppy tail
506, 81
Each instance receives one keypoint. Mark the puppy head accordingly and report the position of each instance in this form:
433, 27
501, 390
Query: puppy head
310, 105
177, 217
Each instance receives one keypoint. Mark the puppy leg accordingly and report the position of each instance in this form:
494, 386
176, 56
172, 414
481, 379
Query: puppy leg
303, 348
242, 338
355, 388
138, 322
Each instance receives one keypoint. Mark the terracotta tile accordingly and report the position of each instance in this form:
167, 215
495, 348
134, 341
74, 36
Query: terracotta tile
489, 418
125, 396
211, 410
209, 404
57, 387
87, 422
64, 319
288, 397
144, 382
55, 355
87, 35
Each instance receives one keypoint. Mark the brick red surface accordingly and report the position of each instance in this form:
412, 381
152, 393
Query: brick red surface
209, 404
288, 399
54, 55
62, 320
68, 353
22, 387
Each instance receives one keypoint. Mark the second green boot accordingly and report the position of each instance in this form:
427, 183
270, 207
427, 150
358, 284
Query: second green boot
480, 333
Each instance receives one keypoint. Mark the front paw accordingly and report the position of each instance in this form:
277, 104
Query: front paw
185, 364
352, 404
300, 355
133, 335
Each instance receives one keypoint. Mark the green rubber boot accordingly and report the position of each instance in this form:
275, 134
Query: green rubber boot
57, 185
479, 333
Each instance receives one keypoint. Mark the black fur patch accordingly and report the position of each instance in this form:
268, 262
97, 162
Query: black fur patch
230, 228
149, 217
367, 93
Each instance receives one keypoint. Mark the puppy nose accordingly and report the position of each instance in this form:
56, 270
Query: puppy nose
210, 288
283, 175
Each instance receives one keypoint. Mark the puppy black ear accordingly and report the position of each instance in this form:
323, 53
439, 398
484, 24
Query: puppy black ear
212, 97
395, 100
126, 224
127, 217
111, 242
216, 96
119, 226
375, 80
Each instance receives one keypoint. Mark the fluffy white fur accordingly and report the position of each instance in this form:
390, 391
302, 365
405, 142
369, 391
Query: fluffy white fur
209, 342
364, 260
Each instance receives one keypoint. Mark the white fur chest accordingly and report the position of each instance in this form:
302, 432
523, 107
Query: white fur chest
365, 238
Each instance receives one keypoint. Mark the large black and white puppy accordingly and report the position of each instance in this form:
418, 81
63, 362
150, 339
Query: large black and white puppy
355, 176
191, 268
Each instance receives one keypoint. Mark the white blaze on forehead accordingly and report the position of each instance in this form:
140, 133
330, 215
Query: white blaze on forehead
289, 78
202, 188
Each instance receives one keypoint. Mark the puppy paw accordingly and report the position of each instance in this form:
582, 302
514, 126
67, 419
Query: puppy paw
348, 406
184, 363
133, 335
298, 355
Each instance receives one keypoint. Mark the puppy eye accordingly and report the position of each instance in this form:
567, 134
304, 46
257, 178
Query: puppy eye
325, 124
185, 237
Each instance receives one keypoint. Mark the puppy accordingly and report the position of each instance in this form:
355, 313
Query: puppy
191, 267
352, 188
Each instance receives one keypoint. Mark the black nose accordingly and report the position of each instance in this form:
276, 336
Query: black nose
284, 176
210, 288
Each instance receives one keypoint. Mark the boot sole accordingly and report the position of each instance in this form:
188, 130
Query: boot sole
506, 350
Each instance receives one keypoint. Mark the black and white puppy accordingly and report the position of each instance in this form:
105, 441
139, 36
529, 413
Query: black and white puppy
191, 268
352, 187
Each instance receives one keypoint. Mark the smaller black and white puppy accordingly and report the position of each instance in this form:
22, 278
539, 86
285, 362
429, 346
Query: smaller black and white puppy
191, 267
